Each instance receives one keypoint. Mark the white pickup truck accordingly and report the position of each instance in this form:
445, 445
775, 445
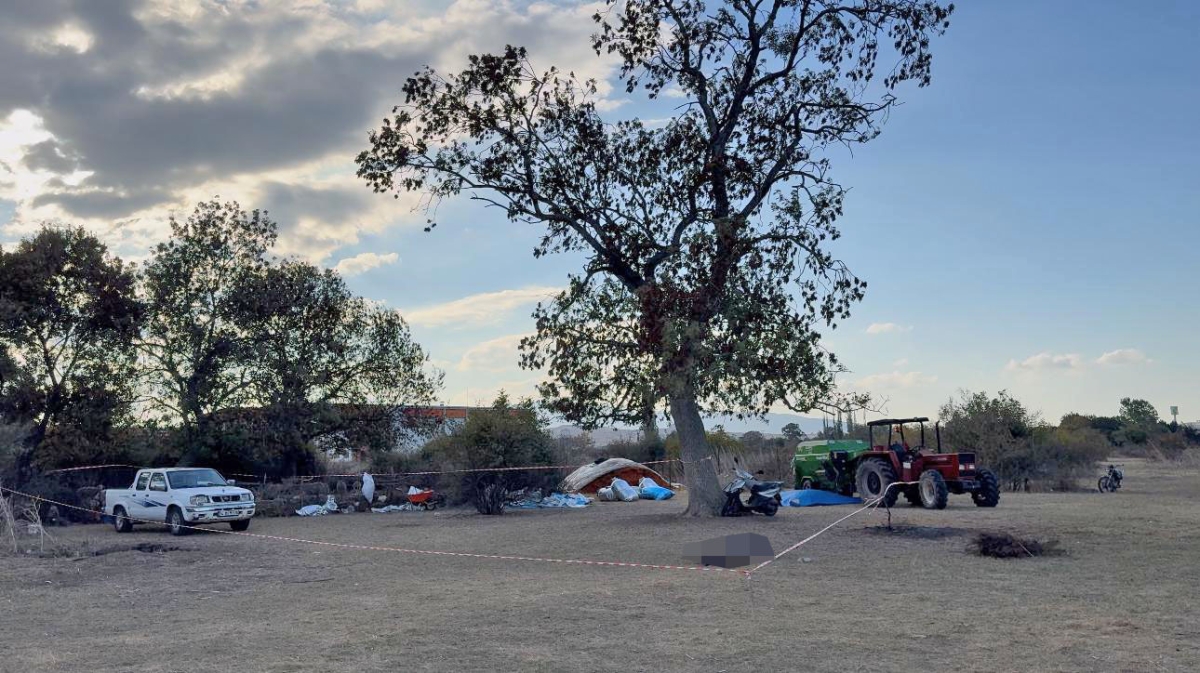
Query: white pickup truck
179, 497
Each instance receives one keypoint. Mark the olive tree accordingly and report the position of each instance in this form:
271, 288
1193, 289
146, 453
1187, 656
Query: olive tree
707, 274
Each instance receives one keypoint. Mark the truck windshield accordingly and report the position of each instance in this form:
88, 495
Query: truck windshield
195, 478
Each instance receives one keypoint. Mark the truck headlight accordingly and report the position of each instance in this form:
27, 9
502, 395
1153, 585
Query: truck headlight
248, 497
199, 500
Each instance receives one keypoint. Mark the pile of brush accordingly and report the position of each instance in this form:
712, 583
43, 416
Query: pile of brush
1006, 545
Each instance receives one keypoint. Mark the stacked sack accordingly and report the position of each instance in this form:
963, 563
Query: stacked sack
621, 491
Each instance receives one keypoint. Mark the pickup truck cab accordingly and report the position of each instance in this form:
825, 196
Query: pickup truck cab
179, 497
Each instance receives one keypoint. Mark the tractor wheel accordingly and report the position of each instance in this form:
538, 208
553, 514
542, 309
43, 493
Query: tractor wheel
873, 477
913, 496
988, 494
933, 489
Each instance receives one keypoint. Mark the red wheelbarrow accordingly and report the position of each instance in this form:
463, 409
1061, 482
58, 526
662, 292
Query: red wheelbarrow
426, 499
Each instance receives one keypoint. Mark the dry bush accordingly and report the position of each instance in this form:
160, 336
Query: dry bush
775, 463
8, 521
1189, 458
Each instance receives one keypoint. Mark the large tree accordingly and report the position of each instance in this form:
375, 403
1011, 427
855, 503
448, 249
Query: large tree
68, 317
707, 277
327, 365
195, 357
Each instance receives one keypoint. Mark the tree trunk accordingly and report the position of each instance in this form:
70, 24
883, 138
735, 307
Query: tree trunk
700, 476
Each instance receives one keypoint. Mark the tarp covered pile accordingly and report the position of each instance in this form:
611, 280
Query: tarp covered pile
330, 507
593, 476
554, 500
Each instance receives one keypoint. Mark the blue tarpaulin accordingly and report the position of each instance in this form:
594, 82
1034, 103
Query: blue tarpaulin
812, 497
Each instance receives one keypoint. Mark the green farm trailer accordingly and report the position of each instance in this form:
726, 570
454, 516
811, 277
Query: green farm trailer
828, 464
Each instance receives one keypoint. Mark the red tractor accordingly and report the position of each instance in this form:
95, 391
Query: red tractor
932, 475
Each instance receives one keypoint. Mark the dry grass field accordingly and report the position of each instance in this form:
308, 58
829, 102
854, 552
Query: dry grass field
1124, 595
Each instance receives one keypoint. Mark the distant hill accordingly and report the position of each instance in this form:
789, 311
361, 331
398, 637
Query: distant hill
600, 436
771, 426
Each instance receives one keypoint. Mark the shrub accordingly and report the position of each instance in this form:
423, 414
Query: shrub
1018, 446
505, 435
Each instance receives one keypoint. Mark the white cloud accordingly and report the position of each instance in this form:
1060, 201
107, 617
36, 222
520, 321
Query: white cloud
887, 328
494, 355
895, 379
1124, 356
353, 266
902, 362
1045, 362
96, 142
478, 309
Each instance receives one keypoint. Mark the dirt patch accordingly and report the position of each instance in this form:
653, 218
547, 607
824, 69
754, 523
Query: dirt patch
1008, 546
144, 547
917, 532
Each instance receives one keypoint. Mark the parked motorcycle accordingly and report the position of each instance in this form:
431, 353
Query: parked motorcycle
1111, 481
763, 495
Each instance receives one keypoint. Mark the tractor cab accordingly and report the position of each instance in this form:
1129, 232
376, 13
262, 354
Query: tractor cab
897, 464
895, 441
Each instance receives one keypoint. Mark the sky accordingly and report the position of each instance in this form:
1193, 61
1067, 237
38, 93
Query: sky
1029, 222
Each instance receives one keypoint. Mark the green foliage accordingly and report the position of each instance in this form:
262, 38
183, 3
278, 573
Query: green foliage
263, 364
197, 357
1140, 419
793, 433
505, 435
68, 317
325, 365
1013, 441
753, 440
640, 450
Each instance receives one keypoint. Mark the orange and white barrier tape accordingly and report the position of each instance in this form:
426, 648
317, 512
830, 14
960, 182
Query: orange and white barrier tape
425, 552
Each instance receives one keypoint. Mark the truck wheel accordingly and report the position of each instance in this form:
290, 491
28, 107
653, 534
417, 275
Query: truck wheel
988, 494
934, 492
240, 526
121, 521
176, 522
806, 483
873, 477
913, 496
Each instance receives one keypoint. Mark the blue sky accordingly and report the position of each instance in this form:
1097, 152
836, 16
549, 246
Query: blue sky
1028, 222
